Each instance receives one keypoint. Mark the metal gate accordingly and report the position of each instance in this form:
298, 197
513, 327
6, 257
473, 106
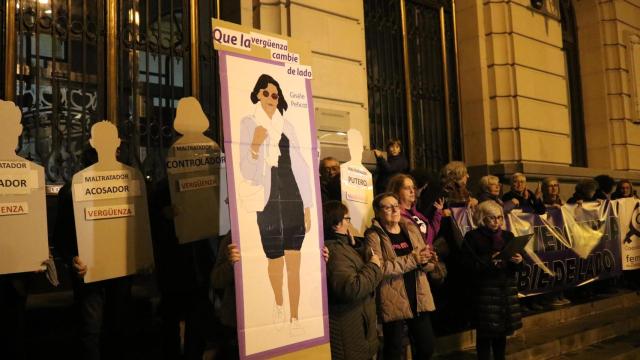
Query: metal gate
412, 78
128, 61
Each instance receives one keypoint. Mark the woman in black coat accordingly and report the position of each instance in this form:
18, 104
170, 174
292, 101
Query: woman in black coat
353, 274
495, 292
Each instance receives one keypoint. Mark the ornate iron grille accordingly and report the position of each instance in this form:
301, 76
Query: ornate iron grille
153, 74
434, 121
60, 47
385, 75
572, 59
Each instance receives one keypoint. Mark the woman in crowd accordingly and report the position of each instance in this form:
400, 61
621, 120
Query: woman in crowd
404, 188
491, 187
523, 198
454, 177
353, 274
551, 192
404, 295
585, 190
624, 189
495, 301
395, 163
551, 199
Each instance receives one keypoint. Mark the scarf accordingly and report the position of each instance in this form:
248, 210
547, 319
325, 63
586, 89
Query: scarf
497, 242
274, 133
420, 220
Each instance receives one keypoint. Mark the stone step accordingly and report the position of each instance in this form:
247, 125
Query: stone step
556, 332
569, 336
577, 311
626, 347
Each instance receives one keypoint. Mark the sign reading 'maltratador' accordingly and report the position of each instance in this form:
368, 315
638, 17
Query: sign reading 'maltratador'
110, 211
23, 216
197, 177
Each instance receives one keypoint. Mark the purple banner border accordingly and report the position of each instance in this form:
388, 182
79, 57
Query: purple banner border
233, 206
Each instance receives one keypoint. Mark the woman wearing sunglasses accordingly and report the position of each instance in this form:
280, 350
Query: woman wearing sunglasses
495, 294
271, 159
404, 295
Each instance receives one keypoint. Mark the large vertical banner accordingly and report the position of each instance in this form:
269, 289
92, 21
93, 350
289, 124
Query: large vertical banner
23, 214
274, 196
628, 211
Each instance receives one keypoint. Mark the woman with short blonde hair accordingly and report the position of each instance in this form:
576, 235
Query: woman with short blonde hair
495, 293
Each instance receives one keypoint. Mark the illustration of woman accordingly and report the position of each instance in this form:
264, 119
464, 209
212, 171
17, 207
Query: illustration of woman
271, 158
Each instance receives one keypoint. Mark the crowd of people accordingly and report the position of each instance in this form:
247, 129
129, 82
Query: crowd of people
422, 282
401, 280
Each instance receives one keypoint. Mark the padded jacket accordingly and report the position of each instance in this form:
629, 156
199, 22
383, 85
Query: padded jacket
351, 283
392, 300
495, 300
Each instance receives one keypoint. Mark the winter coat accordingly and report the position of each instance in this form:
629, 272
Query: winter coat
495, 300
393, 303
351, 284
386, 168
531, 204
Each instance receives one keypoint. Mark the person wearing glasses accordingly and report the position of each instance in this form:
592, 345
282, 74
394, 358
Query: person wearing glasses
330, 179
404, 295
523, 198
496, 309
270, 158
551, 192
353, 273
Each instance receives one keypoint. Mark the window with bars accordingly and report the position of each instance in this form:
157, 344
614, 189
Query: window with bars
572, 62
431, 63
61, 82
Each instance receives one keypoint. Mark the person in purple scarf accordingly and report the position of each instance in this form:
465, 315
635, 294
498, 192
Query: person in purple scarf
403, 186
495, 304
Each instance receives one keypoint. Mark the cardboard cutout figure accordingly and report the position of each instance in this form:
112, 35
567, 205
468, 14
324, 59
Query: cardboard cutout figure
23, 215
110, 209
197, 177
357, 185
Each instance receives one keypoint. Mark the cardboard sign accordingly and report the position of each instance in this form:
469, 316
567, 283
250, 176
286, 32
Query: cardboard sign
356, 183
111, 215
274, 196
195, 167
23, 215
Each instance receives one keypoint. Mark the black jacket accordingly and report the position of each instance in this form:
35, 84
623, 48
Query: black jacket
531, 204
386, 168
351, 284
495, 293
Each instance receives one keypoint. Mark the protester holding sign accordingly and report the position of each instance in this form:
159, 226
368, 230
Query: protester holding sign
493, 279
353, 273
404, 295
91, 299
523, 198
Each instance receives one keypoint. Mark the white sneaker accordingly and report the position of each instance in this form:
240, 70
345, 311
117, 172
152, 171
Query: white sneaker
295, 327
278, 316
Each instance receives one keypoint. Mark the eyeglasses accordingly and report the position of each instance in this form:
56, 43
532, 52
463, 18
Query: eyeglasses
390, 208
274, 96
348, 218
494, 218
